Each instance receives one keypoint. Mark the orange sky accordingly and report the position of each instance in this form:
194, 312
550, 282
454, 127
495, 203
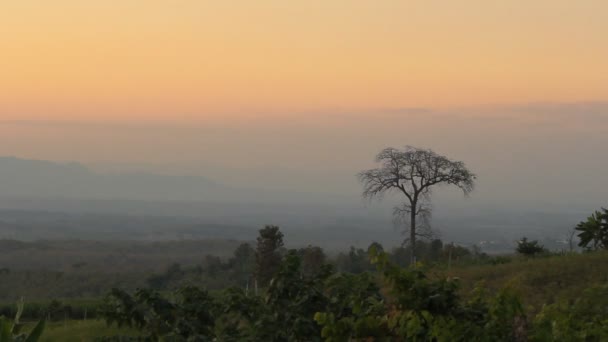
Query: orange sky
193, 59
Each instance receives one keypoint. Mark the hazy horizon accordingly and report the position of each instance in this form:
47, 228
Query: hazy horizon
534, 155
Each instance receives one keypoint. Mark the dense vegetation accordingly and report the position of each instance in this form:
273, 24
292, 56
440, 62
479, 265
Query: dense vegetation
393, 304
376, 298
270, 293
323, 306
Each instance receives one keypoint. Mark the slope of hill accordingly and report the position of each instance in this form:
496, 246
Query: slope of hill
539, 281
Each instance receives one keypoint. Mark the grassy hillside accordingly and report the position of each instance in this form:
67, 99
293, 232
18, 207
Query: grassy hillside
542, 280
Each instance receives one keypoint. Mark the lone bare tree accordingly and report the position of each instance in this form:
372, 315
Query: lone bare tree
413, 172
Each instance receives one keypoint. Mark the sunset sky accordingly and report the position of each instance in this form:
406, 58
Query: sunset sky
302, 94
209, 60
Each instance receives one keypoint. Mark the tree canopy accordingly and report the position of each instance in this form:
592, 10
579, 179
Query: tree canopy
593, 232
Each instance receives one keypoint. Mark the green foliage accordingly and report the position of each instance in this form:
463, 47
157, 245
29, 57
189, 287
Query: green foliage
285, 313
267, 254
11, 331
393, 303
421, 309
187, 315
584, 320
529, 248
355, 303
325, 306
293, 300
540, 281
593, 233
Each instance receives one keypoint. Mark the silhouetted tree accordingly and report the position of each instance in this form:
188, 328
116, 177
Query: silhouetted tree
377, 246
267, 254
413, 172
529, 248
594, 232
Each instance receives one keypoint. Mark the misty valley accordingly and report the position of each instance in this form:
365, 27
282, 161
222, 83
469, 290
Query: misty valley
129, 264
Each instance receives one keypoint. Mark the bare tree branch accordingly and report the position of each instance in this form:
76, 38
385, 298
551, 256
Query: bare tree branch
413, 172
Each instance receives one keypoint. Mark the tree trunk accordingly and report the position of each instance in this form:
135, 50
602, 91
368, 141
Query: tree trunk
413, 235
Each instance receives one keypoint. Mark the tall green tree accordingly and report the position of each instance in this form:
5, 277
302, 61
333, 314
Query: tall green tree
268, 254
593, 233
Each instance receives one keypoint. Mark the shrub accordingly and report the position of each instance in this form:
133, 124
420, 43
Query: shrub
529, 248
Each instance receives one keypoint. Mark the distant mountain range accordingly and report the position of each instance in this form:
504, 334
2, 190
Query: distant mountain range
72, 187
45, 179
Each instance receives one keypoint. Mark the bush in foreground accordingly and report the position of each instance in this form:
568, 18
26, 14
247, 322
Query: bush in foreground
401, 304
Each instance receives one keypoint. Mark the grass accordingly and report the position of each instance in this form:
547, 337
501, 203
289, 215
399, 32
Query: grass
539, 281
80, 331
542, 280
